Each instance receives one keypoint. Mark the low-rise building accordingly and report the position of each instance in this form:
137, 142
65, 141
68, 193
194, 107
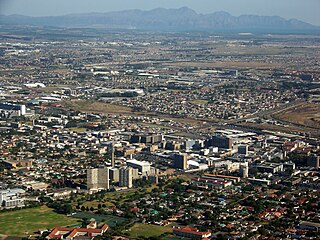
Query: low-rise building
192, 233
11, 198
73, 233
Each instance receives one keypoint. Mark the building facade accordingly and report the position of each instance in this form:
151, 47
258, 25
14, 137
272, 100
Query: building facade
98, 178
125, 177
11, 198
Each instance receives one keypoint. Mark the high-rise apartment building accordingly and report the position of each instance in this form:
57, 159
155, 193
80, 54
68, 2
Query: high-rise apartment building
125, 177
98, 178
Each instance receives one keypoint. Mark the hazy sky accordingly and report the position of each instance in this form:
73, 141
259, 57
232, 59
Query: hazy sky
306, 10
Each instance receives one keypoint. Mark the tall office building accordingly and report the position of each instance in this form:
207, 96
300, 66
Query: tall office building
125, 177
98, 178
180, 161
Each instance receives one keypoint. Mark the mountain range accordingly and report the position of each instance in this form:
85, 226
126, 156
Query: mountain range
161, 19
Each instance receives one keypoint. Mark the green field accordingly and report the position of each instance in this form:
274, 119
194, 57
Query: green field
112, 221
147, 230
112, 198
27, 221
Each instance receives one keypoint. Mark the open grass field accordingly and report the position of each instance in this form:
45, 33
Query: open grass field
113, 198
112, 221
147, 230
27, 221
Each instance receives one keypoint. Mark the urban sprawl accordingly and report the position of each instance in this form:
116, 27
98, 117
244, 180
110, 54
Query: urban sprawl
142, 135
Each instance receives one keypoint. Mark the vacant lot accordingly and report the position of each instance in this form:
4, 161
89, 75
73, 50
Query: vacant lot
224, 64
147, 230
94, 106
306, 114
27, 221
100, 107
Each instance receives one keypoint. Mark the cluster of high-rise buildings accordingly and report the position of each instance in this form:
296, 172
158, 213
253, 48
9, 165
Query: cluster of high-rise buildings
105, 178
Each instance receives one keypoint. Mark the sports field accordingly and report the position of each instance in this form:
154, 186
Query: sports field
27, 221
147, 230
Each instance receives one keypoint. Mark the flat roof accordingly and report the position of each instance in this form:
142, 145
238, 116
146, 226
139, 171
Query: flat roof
140, 163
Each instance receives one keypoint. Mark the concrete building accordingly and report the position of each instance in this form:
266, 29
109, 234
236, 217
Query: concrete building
98, 178
270, 167
11, 198
111, 152
125, 177
172, 145
142, 166
8, 110
313, 161
114, 174
180, 161
233, 179
244, 171
193, 144
258, 181
211, 183
243, 149
146, 138
222, 141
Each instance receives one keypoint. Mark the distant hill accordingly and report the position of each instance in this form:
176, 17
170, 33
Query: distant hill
161, 19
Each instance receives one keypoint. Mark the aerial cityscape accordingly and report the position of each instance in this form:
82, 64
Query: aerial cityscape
178, 127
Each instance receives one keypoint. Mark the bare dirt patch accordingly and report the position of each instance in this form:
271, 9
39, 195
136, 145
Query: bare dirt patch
307, 114
94, 106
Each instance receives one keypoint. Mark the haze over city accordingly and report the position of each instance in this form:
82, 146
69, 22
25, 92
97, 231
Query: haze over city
307, 11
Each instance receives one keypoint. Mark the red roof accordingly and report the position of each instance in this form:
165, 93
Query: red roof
72, 232
134, 209
190, 230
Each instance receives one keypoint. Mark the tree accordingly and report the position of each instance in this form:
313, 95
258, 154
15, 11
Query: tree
85, 222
